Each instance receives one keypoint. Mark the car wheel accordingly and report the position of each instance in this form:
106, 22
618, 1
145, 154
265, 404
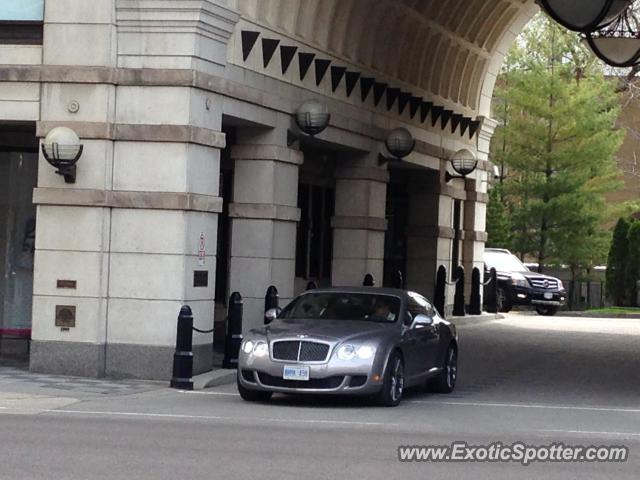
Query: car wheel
393, 384
502, 299
252, 395
547, 311
445, 382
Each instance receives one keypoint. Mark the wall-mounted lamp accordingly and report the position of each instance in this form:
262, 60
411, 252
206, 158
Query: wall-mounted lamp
399, 143
464, 162
62, 149
312, 117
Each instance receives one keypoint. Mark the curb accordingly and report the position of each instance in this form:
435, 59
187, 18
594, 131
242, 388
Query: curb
599, 315
214, 378
475, 319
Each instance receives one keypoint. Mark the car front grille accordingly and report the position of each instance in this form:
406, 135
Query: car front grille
544, 283
313, 383
300, 351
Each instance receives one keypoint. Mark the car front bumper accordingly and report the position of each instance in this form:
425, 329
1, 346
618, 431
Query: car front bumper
335, 377
528, 296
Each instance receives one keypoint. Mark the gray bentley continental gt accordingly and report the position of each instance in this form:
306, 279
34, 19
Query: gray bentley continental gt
351, 341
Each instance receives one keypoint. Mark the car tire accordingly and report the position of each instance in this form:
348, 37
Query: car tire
503, 301
445, 382
547, 311
393, 383
252, 395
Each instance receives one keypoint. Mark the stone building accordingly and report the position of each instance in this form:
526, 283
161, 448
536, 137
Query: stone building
192, 161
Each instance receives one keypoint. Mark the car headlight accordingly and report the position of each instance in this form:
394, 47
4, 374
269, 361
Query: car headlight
248, 347
365, 352
349, 352
519, 280
346, 352
560, 286
261, 349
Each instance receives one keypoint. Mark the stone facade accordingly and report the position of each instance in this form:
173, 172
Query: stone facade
166, 95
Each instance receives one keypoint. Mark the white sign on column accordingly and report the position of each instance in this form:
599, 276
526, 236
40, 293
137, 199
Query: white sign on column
201, 250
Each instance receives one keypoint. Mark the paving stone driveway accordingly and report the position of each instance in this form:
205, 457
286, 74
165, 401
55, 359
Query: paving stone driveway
20, 376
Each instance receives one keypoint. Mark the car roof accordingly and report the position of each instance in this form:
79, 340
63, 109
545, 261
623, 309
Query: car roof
499, 250
372, 290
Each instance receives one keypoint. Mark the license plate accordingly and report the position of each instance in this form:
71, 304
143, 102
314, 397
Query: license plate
548, 296
295, 372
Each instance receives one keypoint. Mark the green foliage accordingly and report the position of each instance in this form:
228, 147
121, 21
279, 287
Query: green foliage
615, 277
632, 268
558, 141
498, 220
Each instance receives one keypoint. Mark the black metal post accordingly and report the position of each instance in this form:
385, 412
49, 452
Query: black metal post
312, 285
234, 331
183, 356
439, 294
271, 300
458, 298
492, 292
368, 281
475, 304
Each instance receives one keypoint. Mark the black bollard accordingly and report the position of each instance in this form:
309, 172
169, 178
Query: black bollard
368, 281
312, 285
234, 332
440, 290
271, 301
399, 280
491, 292
458, 297
183, 356
475, 304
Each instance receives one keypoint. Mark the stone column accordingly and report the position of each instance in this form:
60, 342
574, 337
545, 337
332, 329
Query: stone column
359, 223
429, 237
71, 268
264, 217
121, 246
475, 236
475, 207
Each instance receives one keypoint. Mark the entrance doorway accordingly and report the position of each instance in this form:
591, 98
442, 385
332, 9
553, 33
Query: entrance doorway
395, 242
314, 238
18, 177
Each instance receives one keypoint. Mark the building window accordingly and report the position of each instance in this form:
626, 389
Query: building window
314, 236
21, 22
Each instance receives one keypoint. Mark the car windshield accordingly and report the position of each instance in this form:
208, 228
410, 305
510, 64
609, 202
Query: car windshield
503, 262
344, 306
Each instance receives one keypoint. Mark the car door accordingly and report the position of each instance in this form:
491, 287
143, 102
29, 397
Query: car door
428, 336
412, 340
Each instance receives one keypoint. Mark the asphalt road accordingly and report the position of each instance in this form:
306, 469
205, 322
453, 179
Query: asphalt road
525, 378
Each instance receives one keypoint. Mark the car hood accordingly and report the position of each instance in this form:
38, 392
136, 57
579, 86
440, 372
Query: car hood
526, 275
330, 330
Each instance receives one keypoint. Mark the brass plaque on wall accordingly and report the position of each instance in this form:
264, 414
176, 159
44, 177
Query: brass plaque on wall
66, 284
65, 316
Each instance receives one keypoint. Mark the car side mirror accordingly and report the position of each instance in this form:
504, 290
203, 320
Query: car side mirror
421, 321
271, 314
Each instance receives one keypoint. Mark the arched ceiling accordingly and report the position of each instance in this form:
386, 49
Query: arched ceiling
444, 47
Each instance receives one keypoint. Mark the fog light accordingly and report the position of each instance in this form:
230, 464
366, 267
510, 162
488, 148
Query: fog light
522, 295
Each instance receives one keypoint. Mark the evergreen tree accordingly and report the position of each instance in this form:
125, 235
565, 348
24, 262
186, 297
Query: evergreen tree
558, 142
498, 220
632, 268
615, 276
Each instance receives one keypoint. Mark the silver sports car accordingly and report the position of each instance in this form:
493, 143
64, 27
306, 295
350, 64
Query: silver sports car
365, 341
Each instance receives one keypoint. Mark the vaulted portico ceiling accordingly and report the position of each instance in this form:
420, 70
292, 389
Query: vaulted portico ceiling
450, 49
